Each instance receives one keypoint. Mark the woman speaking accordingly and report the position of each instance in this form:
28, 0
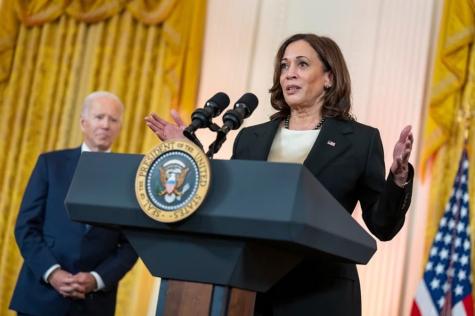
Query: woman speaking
313, 125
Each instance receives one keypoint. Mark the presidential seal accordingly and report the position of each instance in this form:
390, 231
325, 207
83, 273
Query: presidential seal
172, 181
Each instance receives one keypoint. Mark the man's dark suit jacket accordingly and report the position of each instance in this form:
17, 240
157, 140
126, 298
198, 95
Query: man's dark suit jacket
46, 236
347, 158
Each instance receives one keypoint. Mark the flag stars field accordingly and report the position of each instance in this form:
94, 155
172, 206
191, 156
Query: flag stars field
439, 269
451, 272
444, 254
462, 275
466, 245
435, 283
455, 257
438, 236
445, 287
458, 290
443, 222
464, 260
429, 266
441, 301
451, 224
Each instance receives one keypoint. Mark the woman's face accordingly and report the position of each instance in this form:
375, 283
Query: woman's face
302, 77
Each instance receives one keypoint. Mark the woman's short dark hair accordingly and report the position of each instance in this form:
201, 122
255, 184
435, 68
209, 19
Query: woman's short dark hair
337, 98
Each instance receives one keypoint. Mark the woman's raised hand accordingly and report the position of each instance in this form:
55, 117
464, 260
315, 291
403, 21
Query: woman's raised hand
166, 130
402, 151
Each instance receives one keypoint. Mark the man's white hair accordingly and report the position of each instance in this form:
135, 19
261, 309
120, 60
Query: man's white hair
98, 95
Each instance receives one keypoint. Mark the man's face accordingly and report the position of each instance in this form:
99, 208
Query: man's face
101, 123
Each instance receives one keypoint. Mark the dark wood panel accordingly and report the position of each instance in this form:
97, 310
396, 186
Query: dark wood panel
188, 299
241, 302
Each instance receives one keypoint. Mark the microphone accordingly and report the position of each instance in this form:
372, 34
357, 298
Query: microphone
233, 119
243, 108
201, 118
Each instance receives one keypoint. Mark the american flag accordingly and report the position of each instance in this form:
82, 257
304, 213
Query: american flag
446, 288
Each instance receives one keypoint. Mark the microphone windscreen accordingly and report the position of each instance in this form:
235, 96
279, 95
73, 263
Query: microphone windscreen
221, 99
250, 100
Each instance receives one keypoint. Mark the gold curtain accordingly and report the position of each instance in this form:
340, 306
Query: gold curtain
55, 52
451, 111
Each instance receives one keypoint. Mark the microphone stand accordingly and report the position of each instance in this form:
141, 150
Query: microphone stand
192, 137
216, 145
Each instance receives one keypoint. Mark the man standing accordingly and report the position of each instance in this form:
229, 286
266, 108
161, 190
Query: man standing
69, 268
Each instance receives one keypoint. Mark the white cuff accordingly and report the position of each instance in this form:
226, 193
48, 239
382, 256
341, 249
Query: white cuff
99, 282
49, 271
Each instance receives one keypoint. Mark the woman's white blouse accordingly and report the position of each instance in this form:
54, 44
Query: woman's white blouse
292, 146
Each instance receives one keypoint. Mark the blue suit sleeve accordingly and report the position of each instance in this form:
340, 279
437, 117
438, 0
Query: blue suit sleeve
116, 266
29, 224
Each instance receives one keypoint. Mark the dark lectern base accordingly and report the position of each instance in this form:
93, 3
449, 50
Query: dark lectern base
202, 299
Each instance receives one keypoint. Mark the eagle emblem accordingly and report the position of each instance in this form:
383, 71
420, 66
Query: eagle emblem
172, 179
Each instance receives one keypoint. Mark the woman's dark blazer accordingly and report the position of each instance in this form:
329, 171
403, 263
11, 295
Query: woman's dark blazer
347, 158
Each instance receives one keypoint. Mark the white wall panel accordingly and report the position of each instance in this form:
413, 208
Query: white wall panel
399, 71
228, 54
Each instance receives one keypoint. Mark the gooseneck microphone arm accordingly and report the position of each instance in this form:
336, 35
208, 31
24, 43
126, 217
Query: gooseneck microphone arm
216, 145
192, 137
